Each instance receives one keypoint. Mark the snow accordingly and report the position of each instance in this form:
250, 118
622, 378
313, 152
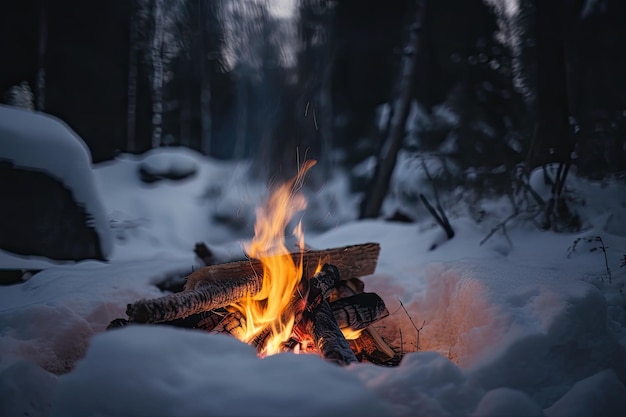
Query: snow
40, 141
200, 367
517, 326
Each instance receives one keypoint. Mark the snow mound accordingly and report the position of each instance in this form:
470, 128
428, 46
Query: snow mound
601, 394
507, 402
166, 163
153, 370
50, 319
26, 390
42, 142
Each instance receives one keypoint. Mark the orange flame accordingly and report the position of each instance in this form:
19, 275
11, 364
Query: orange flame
267, 310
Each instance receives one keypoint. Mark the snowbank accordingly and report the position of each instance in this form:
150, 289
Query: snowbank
152, 371
42, 142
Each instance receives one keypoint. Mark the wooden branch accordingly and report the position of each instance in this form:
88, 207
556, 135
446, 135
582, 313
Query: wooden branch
358, 311
219, 293
352, 262
441, 217
330, 342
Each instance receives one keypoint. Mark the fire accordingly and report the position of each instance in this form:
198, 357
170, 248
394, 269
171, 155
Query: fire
267, 314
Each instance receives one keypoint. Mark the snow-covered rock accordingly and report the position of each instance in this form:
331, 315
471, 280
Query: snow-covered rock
50, 204
167, 163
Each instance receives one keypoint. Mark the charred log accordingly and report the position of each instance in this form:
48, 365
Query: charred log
371, 347
330, 342
358, 311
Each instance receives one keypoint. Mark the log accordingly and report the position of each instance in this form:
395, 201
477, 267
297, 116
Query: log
352, 262
206, 320
330, 342
317, 289
219, 285
233, 323
347, 288
321, 285
358, 311
220, 293
372, 347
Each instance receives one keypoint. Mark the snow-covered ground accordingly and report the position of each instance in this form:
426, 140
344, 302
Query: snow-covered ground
525, 328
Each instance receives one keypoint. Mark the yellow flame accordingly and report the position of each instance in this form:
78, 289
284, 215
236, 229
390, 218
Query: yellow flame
351, 334
267, 310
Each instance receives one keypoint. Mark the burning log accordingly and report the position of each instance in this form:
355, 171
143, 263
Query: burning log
352, 262
219, 285
330, 342
233, 324
358, 311
372, 347
330, 300
204, 297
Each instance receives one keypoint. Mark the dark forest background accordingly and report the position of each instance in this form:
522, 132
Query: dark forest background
233, 80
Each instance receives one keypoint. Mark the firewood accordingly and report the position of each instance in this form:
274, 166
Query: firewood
233, 323
206, 320
372, 346
352, 261
219, 285
219, 293
358, 311
330, 342
318, 288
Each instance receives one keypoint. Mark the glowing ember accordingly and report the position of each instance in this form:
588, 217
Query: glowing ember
268, 315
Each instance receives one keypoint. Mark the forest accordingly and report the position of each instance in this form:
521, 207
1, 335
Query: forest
237, 79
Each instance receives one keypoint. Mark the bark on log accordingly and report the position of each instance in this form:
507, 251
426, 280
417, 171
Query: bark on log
352, 261
347, 288
330, 342
219, 293
206, 320
358, 311
233, 324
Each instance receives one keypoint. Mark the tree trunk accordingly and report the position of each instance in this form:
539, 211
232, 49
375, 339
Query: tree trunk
131, 113
553, 141
40, 88
205, 85
157, 73
389, 155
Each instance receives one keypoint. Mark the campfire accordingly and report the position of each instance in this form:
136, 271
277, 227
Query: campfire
311, 301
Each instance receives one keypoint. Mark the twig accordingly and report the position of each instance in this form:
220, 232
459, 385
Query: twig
501, 225
602, 247
417, 347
